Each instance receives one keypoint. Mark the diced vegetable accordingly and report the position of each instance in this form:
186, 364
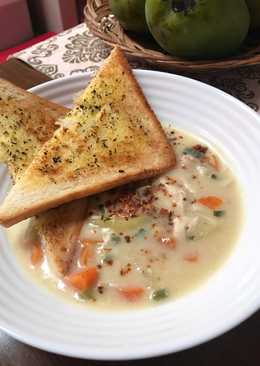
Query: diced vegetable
213, 161
160, 294
87, 295
36, 254
90, 242
141, 232
83, 280
131, 293
115, 238
193, 152
85, 254
108, 258
200, 227
191, 257
211, 202
87, 251
219, 213
169, 242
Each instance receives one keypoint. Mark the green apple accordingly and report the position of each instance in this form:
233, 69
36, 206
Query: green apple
198, 28
254, 9
130, 13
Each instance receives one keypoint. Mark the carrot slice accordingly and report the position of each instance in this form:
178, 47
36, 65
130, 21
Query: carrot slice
211, 202
87, 251
213, 161
85, 255
169, 242
90, 242
83, 280
36, 254
131, 293
191, 257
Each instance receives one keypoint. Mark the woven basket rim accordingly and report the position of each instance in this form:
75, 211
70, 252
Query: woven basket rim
95, 12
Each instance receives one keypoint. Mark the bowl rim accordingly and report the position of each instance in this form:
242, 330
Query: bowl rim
36, 342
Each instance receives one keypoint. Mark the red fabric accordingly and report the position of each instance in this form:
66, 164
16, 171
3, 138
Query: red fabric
4, 54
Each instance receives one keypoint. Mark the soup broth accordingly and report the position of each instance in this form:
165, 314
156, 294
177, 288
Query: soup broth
150, 241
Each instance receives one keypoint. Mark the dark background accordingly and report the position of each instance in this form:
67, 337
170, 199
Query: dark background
239, 347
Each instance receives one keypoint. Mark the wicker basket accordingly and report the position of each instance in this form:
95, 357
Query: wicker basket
105, 26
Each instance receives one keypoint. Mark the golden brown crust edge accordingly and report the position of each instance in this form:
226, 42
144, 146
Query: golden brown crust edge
122, 60
25, 93
168, 162
8, 220
37, 118
59, 230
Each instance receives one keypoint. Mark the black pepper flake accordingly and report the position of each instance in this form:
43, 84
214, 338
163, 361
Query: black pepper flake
100, 289
127, 238
125, 269
56, 159
121, 171
104, 143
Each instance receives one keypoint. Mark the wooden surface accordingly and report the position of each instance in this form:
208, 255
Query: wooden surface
21, 74
239, 347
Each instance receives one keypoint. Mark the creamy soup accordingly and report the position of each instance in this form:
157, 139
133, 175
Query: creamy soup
150, 241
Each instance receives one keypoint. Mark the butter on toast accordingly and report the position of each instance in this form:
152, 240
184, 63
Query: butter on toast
29, 121
111, 137
26, 122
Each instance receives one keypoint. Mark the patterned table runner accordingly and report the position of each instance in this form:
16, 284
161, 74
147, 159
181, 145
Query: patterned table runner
77, 51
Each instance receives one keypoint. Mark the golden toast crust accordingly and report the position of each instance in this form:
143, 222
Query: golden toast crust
110, 138
58, 229
26, 122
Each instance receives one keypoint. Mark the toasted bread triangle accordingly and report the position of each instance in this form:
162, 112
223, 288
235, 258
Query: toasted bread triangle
111, 137
27, 122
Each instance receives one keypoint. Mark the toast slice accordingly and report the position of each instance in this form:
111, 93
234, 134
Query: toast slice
33, 120
26, 122
111, 137
59, 231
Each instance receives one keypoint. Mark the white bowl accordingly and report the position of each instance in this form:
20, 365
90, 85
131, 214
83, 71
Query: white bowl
34, 316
